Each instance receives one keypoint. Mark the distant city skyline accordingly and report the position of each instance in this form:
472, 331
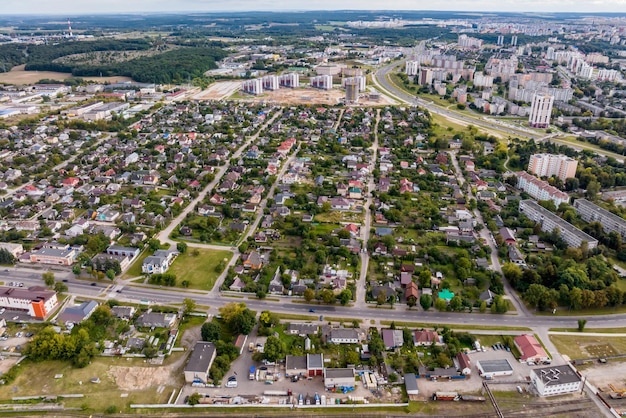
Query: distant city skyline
74, 7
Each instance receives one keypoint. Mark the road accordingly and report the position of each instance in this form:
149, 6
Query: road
487, 237
380, 78
367, 223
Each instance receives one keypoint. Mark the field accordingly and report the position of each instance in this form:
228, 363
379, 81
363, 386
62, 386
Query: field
17, 75
199, 270
124, 381
135, 269
219, 90
580, 346
312, 96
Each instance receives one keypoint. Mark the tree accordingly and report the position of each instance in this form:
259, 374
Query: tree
274, 349
309, 294
154, 244
60, 287
181, 247
268, 319
424, 278
211, 331
352, 357
48, 278
238, 318
189, 305
76, 269
581, 325
345, 297
456, 303
512, 272
194, 399
426, 301
110, 274
327, 296
441, 304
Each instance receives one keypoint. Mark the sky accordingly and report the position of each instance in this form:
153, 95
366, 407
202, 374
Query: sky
78, 7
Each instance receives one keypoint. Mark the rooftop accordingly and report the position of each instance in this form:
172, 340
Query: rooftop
556, 375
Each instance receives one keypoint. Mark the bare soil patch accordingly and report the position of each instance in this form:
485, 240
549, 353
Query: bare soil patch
19, 76
312, 96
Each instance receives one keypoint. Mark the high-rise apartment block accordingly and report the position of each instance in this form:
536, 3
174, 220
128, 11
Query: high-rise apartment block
324, 82
548, 165
541, 111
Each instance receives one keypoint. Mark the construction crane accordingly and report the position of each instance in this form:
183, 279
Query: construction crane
621, 391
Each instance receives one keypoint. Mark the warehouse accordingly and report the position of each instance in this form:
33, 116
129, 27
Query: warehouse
494, 368
337, 378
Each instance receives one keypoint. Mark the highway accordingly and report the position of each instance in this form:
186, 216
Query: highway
380, 78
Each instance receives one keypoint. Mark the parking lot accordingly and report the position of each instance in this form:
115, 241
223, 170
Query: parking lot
473, 383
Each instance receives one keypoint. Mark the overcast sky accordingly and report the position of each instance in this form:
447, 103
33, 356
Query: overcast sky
77, 7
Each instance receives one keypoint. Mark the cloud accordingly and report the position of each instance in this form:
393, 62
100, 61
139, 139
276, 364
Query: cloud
77, 7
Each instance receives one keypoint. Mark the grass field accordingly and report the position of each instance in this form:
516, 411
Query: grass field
198, 270
621, 330
580, 346
456, 327
135, 269
37, 379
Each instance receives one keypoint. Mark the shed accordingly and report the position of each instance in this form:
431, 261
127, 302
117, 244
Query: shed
410, 382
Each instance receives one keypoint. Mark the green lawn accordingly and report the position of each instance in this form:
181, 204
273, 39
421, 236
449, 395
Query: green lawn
198, 270
135, 269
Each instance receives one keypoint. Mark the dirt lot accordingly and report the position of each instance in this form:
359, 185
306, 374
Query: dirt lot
311, 96
140, 378
17, 75
601, 375
218, 91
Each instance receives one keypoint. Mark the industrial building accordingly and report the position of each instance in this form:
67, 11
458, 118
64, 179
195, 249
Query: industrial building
337, 378
200, 361
555, 380
494, 368
548, 221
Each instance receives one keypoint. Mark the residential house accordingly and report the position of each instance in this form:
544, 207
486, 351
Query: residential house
156, 320
426, 337
393, 338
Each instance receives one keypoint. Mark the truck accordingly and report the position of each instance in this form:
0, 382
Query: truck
277, 392
252, 372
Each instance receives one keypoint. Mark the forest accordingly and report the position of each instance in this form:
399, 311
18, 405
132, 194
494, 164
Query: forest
177, 65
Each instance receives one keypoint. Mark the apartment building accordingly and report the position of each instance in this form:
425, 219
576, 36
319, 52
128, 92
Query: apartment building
548, 221
590, 212
549, 165
540, 189
324, 82
541, 111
